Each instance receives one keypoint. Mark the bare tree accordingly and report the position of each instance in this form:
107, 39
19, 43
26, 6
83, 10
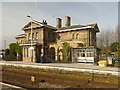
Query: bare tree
100, 40
104, 40
107, 37
118, 30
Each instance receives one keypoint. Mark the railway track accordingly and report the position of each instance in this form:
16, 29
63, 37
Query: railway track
45, 78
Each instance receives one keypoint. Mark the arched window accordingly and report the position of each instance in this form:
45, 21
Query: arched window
77, 36
29, 36
73, 36
36, 35
80, 45
58, 38
49, 35
32, 35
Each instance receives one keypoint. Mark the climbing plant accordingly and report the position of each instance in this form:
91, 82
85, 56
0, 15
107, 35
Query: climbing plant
66, 49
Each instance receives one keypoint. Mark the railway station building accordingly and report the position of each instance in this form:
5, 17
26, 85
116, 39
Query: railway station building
41, 40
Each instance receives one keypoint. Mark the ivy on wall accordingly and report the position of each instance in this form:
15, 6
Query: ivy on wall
66, 50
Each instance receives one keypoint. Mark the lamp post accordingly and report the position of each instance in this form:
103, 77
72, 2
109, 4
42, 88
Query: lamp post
31, 48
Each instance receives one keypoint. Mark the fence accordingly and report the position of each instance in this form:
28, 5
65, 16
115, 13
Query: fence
12, 58
60, 59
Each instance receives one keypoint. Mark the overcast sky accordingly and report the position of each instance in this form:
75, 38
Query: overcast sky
14, 15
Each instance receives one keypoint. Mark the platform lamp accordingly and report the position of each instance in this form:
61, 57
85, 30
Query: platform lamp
31, 48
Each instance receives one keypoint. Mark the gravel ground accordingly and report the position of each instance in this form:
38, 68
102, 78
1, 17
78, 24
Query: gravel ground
46, 78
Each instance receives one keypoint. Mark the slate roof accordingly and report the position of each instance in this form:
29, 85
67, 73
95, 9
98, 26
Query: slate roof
78, 27
62, 29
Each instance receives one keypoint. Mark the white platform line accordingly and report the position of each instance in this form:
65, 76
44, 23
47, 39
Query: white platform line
12, 86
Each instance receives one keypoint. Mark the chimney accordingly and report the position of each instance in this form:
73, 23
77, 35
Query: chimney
44, 22
67, 21
58, 22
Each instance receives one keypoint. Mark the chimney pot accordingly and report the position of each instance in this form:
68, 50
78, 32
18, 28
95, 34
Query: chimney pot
44, 22
58, 22
68, 21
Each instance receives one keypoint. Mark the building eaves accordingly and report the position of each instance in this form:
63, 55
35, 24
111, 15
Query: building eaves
20, 36
38, 26
77, 27
73, 29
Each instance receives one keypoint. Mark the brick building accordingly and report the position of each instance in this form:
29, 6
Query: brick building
47, 41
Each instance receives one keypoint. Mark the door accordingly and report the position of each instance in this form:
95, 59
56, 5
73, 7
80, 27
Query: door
38, 53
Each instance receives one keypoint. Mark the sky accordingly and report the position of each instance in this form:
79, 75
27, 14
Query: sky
14, 15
